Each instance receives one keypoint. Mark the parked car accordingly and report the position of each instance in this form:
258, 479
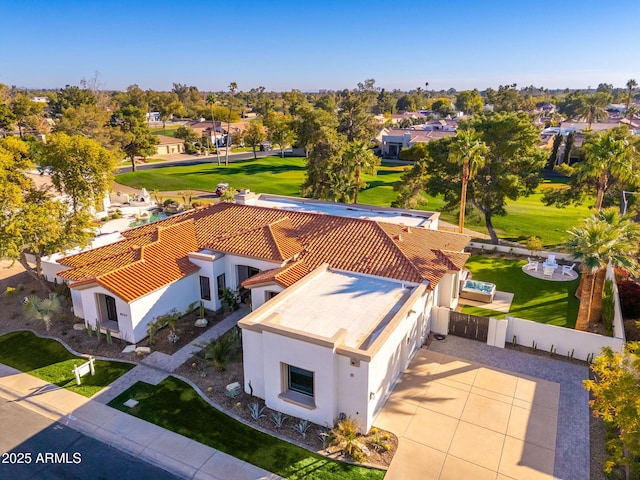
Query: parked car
266, 147
221, 189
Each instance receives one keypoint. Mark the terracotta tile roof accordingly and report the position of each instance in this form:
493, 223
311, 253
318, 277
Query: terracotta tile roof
275, 241
160, 262
105, 265
357, 245
165, 140
117, 248
285, 276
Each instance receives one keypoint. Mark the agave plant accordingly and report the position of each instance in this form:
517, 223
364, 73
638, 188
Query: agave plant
42, 308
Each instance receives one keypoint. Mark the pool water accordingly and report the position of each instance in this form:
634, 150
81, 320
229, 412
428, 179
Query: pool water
155, 217
484, 287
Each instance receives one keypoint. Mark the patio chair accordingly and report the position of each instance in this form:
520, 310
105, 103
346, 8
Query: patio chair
547, 272
568, 269
550, 261
532, 265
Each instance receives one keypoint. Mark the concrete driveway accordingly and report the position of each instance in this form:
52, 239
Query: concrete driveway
456, 419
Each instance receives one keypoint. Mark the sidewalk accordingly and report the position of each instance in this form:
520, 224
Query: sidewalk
172, 452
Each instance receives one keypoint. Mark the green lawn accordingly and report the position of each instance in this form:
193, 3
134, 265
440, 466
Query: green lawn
534, 299
174, 405
169, 132
48, 360
283, 176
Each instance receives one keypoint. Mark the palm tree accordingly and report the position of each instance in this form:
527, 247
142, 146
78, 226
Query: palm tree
233, 86
358, 157
42, 308
605, 237
606, 157
467, 149
594, 108
631, 84
211, 100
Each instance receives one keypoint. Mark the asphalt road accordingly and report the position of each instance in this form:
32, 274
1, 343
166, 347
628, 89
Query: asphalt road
235, 157
59, 452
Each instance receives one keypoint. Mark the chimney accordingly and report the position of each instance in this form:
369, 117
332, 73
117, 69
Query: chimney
246, 197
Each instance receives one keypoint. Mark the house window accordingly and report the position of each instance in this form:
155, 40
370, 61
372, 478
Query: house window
268, 295
300, 380
221, 284
205, 288
112, 313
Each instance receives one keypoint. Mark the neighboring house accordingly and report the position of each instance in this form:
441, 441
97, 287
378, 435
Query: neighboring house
217, 130
341, 294
169, 145
393, 141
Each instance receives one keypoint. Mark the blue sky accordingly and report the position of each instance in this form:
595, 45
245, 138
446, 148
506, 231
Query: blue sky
314, 45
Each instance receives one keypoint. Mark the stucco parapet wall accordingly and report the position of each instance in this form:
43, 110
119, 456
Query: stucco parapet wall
209, 257
405, 310
259, 321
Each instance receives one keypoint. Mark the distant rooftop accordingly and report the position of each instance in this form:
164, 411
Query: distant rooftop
412, 218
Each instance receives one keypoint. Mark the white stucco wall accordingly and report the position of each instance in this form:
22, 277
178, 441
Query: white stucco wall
253, 354
259, 294
211, 265
278, 349
390, 362
232, 261
178, 295
90, 310
446, 288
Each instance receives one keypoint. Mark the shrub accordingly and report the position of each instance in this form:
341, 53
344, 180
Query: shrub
42, 308
629, 292
345, 436
301, 427
221, 349
256, 411
278, 419
11, 292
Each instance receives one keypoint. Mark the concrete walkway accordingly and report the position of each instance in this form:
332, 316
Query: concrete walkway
170, 451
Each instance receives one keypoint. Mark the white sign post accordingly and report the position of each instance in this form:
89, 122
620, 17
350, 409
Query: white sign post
83, 369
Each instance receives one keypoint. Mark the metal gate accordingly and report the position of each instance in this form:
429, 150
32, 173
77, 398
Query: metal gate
469, 326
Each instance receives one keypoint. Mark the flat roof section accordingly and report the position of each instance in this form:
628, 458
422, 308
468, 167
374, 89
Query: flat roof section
361, 304
368, 212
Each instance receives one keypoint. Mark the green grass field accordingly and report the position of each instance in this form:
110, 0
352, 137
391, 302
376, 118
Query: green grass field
174, 405
48, 360
534, 299
283, 176
169, 132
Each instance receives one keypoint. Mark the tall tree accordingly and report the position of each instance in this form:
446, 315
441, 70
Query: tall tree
610, 158
70, 96
211, 101
631, 84
166, 104
469, 101
605, 237
24, 110
279, 130
87, 120
233, 86
594, 108
442, 106
81, 168
137, 140
323, 167
7, 119
509, 99
357, 158
354, 118
254, 136
512, 165
469, 151
311, 126
615, 390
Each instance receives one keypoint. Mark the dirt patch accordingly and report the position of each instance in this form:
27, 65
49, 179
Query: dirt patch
382, 445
